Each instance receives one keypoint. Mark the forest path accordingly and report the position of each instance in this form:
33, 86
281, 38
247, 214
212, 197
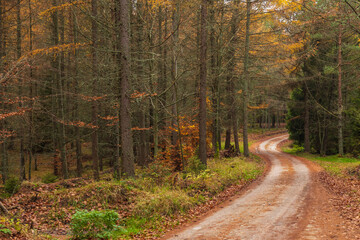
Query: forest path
287, 204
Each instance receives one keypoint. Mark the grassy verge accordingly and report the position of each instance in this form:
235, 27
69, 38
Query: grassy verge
156, 200
344, 167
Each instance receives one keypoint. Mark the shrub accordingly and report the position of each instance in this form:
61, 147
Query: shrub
296, 148
94, 224
12, 185
49, 178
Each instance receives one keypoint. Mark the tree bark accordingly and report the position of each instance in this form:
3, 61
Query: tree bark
4, 148
161, 83
246, 80
18, 55
306, 121
31, 132
79, 166
235, 131
215, 81
61, 74
174, 74
340, 101
117, 173
54, 82
203, 76
228, 138
94, 108
126, 134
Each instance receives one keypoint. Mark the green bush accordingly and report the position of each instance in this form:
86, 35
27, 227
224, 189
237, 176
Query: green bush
12, 185
49, 178
296, 148
94, 224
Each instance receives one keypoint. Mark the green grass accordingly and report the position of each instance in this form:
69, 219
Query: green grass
335, 165
134, 226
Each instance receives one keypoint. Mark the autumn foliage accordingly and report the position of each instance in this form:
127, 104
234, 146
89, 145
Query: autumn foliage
176, 156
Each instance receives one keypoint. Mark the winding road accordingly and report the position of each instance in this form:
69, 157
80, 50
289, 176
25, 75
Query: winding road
287, 204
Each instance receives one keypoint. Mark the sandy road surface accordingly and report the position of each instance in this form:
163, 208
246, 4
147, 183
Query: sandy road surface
287, 204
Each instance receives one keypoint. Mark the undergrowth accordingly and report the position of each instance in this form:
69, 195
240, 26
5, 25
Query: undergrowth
151, 202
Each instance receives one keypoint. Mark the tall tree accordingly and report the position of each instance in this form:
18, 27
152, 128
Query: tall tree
127, 154
61, 101
31, 125
4, 158
79, 166
94, 109
18, 55
246, 79
203, 76
340, 100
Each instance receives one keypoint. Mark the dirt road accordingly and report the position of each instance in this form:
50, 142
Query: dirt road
287, 204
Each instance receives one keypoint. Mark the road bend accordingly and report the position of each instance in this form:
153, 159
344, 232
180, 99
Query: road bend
271, 210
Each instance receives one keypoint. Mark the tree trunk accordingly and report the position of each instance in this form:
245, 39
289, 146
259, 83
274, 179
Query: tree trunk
235, 132
228, 138
79, 166
18, 55
161, 82
230, 81
340, 101
117, 173
94, 108
54, 82
246, 80
4, 159
203, 76
31, 132
142, 140
215, 82
62, 130
125, 121
164, 82
117, 164
174, 74
306, 121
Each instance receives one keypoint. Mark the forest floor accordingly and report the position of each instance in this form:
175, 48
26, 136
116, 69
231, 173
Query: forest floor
296, 200
156, 201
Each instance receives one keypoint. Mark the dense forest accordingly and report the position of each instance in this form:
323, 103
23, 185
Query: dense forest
326, 99
94, 88
140, 80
